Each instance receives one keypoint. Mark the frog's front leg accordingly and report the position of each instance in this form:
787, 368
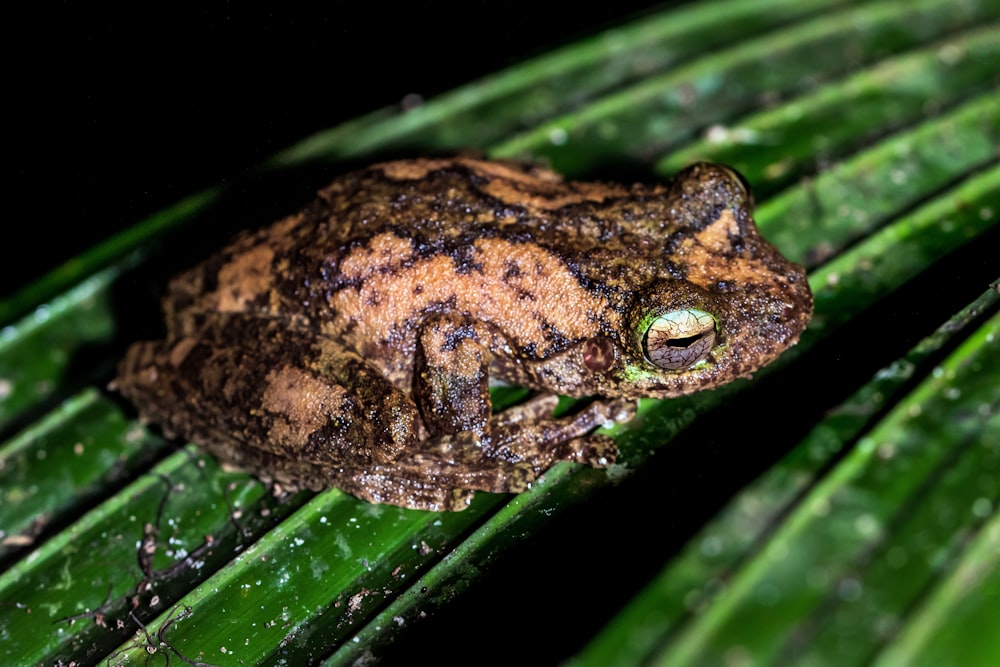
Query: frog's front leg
519, 444
451, 389
451, 377
528, 432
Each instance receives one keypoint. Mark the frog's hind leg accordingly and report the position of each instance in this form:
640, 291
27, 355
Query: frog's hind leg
418, 483
245, 382
418, 479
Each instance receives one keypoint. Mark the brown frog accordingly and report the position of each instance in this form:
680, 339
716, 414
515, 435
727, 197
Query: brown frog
353, 344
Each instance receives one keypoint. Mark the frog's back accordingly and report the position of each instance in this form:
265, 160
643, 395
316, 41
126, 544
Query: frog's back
375, 221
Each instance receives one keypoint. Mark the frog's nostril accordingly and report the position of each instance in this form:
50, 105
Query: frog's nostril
679, 339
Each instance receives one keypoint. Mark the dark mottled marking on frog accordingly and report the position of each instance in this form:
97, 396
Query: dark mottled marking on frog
465, 260
456, 335
513, 271
552, 334
525, 295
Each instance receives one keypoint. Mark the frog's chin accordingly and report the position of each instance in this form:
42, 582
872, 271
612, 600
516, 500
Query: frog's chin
671, 390
709, 374
644, 382
681, 388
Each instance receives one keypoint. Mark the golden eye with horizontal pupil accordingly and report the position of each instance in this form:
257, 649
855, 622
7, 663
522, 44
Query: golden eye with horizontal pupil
679, 339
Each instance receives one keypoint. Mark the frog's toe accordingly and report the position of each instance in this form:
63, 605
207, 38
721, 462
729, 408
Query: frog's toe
535, 408
458, 499
596, 451
619, 410
519, 478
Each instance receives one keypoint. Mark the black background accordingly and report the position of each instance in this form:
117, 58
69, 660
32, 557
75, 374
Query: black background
117, 112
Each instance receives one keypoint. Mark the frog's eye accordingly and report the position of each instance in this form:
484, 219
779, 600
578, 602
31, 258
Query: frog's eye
679, 339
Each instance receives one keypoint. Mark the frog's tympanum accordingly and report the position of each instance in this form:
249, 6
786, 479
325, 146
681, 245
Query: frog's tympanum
353, 344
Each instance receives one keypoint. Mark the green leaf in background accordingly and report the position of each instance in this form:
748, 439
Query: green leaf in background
856, 526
